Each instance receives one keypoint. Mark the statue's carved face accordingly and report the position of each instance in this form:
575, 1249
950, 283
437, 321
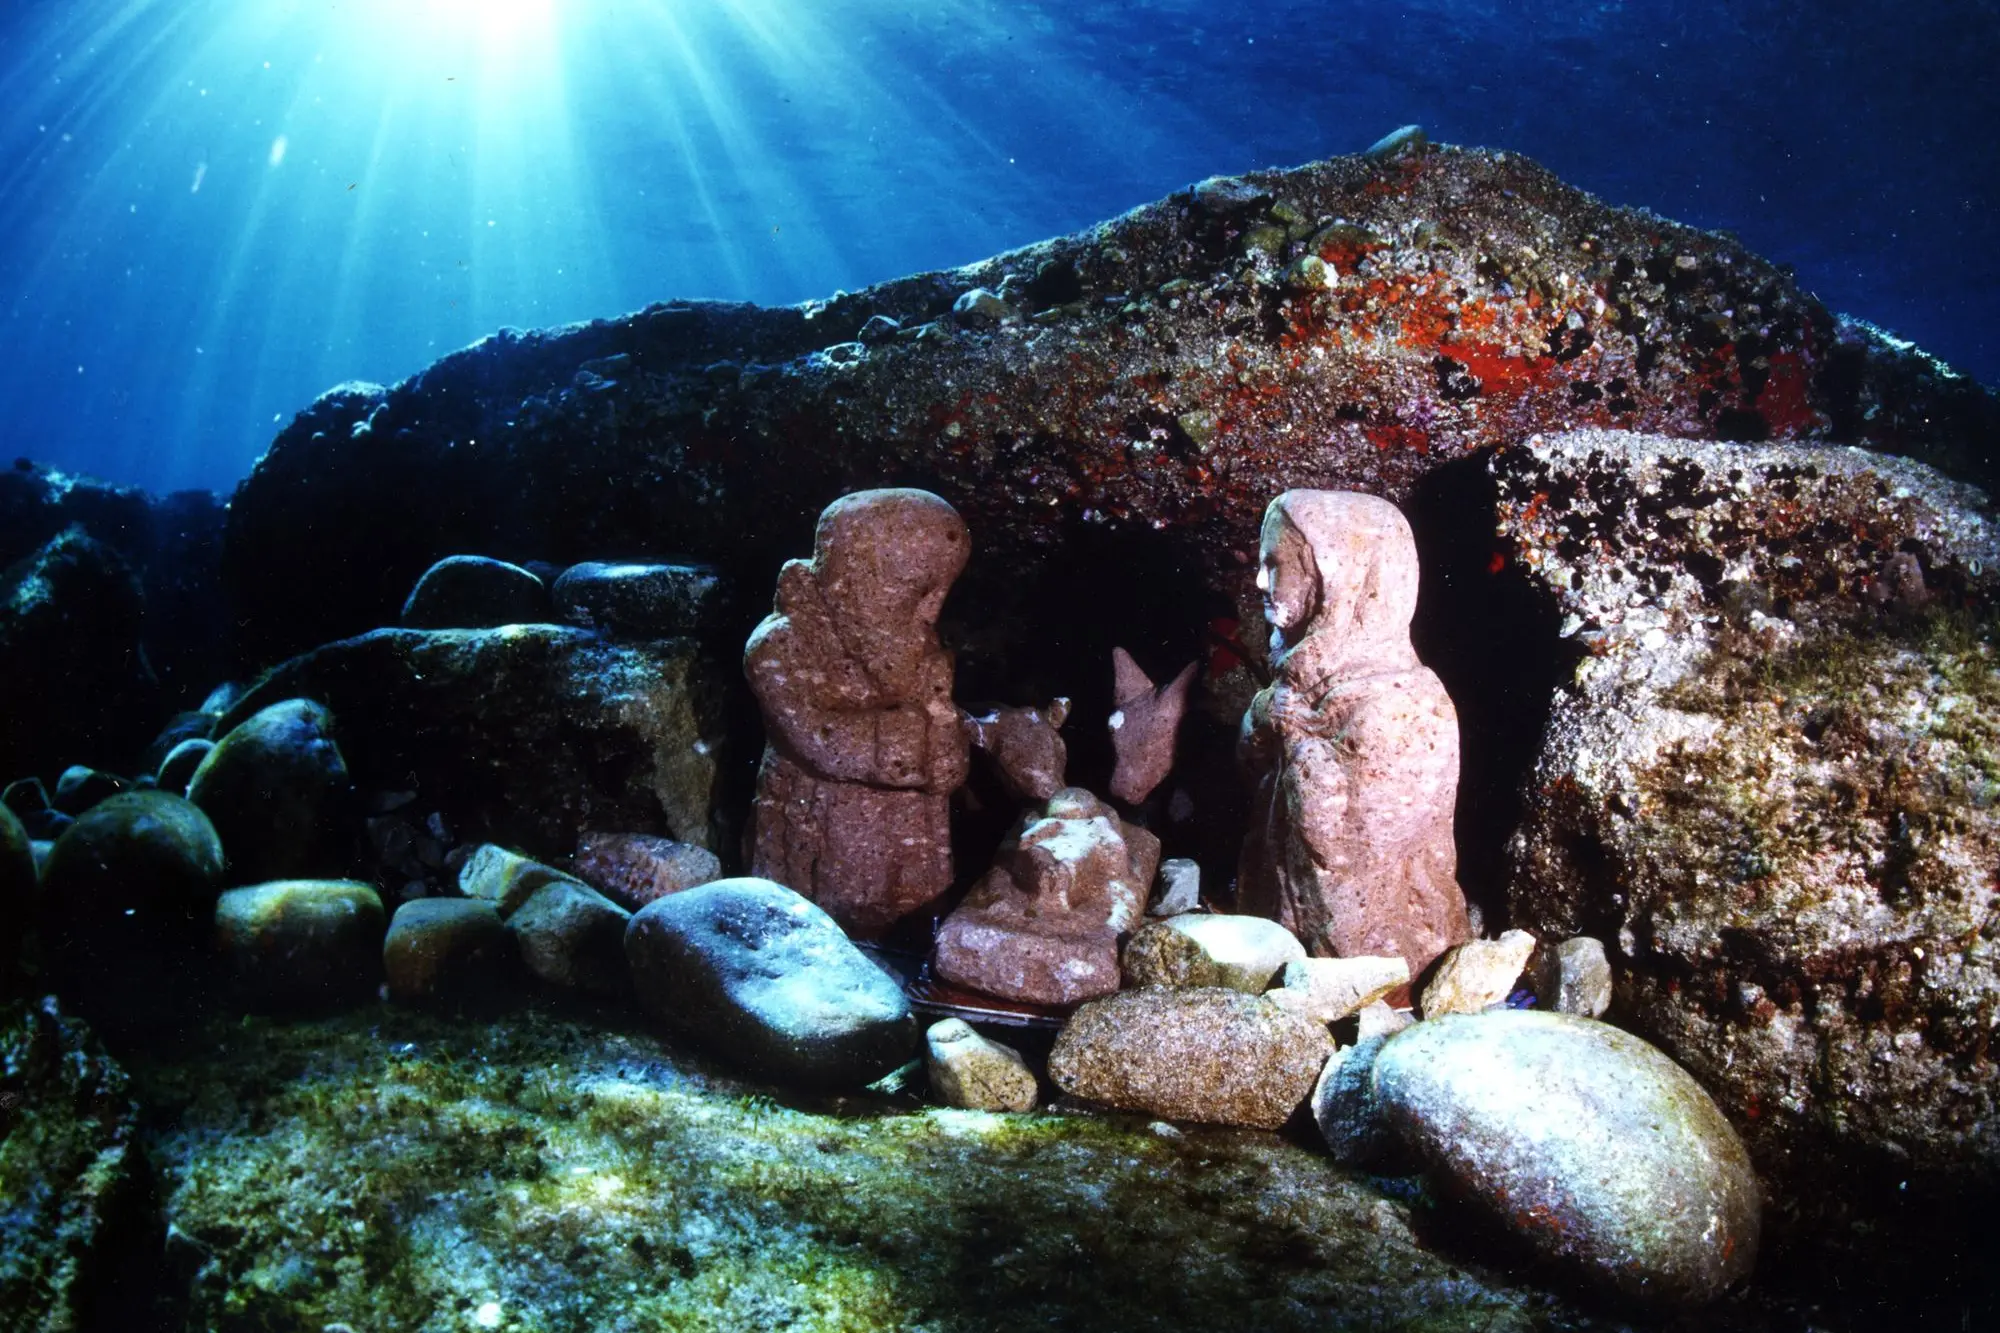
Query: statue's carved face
1288, 576
885, 561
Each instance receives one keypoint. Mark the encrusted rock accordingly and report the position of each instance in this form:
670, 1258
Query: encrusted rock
1477, 974
302, 944
1584, 1142
763, 978
1211, 1055
976, 1073
1768, 789
632, 869
1043, 925
475, 592
1327, 990
449, 952
1573, 977
277, 789
525, 734
1243, 953
640, 601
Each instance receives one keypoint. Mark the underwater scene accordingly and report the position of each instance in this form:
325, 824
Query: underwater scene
940, 666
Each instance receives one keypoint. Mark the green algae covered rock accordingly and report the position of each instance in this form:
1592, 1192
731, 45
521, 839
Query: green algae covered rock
70, 1175
1600, 1154
277, 789
401, 1171
763, 977
448, 952
302, 944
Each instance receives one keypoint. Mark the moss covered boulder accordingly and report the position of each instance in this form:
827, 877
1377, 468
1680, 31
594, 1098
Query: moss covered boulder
302, 944
277, 789
74, 1248
398, 1170
1773, 790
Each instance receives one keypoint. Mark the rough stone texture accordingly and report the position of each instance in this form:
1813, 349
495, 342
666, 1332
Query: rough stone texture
1573, 977
1243, 953
128, 899
1477, 974
1354, 744
395, 1169
1145, 726
641, 601
71, 1177
572, 936
1180, 888
277, 789
448, 952
302, 944
1215, 1055
1163, 371
1043, 926
177, 769
1770, 790
1327, 990
975, 1073
475, 592
632, 869
762, 977
864, 745
504, 878
526, 734
1584, 1142
1350, 1119
71, 623
1027, 749
1380, 1020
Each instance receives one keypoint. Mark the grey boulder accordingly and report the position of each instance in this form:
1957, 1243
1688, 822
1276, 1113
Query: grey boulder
640, 601
475, 592
277, 790
1588, 1145
763, 977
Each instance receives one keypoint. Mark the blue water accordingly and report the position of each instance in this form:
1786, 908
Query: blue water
211, 210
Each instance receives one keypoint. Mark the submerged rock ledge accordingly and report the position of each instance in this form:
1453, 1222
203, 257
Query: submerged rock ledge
1145, 386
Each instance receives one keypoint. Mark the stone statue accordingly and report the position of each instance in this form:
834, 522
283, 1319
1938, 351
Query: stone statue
865, 745
1026, 747
1354, 744
1145, 725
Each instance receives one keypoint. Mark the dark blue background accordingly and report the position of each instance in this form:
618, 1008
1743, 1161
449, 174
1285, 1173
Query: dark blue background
439, 182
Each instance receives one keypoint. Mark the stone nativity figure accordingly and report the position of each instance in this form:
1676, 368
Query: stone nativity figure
865, 745
1354, 744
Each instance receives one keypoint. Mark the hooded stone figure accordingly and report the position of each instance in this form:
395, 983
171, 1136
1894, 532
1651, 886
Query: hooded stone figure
865, 745
1354, 745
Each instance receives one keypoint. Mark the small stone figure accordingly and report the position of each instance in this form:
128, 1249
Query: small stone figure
1044, 924
865, 745
1144, 726
1026, 747
1354, 745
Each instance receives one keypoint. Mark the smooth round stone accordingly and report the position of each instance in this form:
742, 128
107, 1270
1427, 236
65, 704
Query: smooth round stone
1243, 953
278, 791
1573, 977
127, 897
475, 592
79, 788
447, 951
302, 944
178, 768
571, 935
764, 978
645, 601
1214, 1055
1599, 1152
976, 1073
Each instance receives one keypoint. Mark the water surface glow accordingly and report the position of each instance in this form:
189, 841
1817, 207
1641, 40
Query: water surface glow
210, 210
